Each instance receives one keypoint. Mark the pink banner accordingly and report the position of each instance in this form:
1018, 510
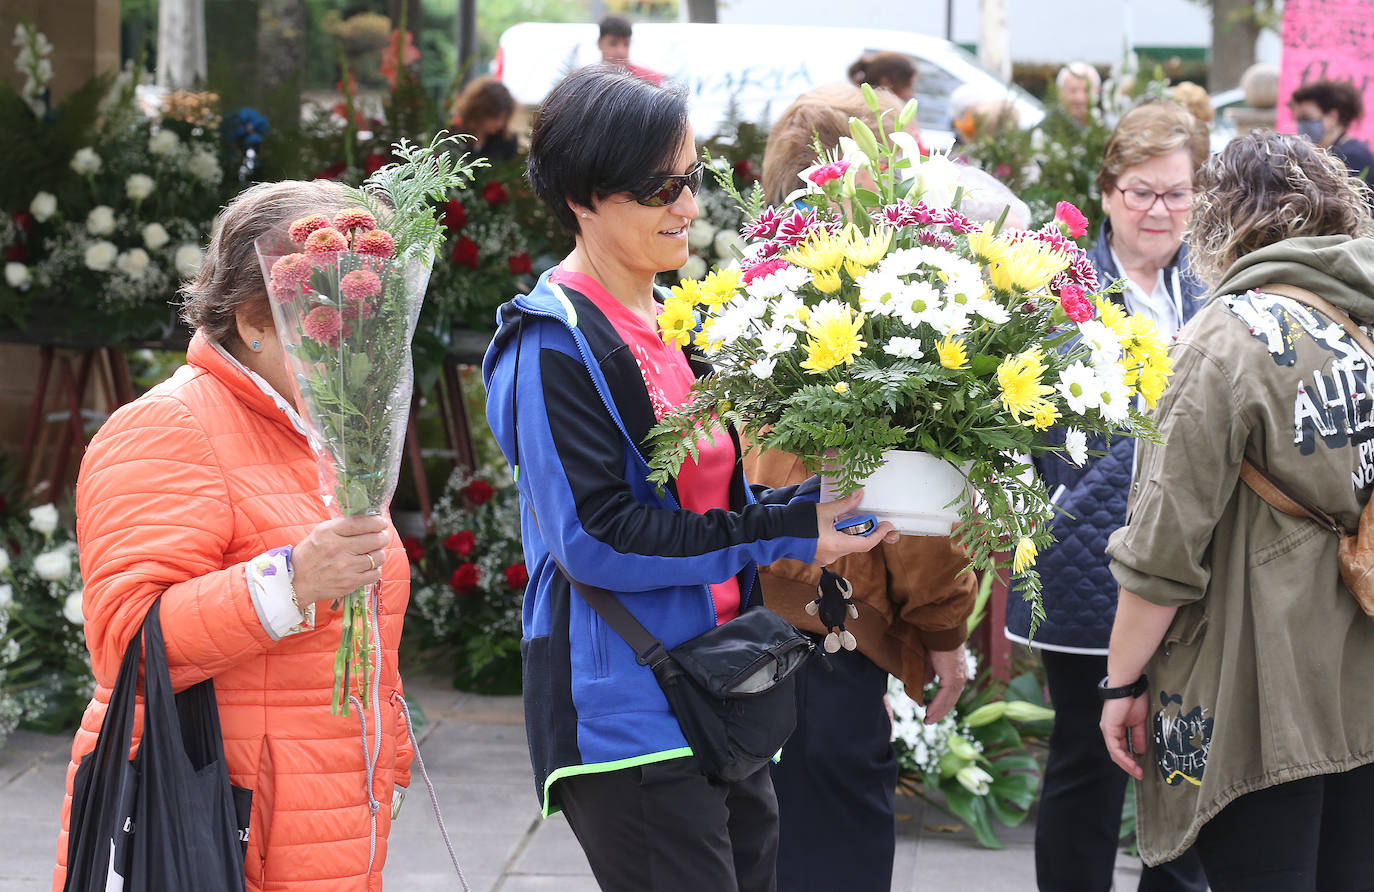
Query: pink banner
1327, 40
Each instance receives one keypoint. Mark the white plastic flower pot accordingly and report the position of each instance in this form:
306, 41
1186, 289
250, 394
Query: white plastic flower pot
918, 493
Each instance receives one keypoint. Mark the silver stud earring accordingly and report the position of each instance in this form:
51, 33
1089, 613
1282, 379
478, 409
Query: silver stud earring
256, 345
584, 215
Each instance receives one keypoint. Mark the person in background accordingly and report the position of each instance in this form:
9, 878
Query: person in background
1325, 110
483, 111
977, 111
1076, 87
894, 72
614, 44
1146, 179
1196, 100
837, 777
577, 374
1237, 691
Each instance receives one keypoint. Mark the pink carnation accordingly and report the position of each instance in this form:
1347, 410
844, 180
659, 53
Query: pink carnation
323, 324
377, 243
360, 285
764, 270
300, 230
958, 223
796, 228
1072, 218
349, 219
766, 226
325, 241
828, 173
936, 240
291, 271
1076, 306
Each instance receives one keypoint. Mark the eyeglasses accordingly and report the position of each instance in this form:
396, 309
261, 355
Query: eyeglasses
1144, 199
662, 190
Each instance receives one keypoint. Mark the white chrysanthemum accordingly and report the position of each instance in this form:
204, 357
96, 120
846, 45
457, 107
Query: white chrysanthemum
139, 186
1076, 446
762, 368
777, 340
788, 310
71, 609
43, 519
694, 268
906, 348
729, 325
53, 566
948, 320
17, 275
990, 310
101, 220
164, 143
86, 162
1080, 387
43, 206
751, 306
783, 282
6, 596
1114, 398
155, 236
133, 262
100, 255
204, 166
700, 234
1102, 341
878, 293
919, 302
187, 260
937, 179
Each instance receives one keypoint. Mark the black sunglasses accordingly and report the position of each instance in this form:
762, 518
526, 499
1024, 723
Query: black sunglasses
662, 190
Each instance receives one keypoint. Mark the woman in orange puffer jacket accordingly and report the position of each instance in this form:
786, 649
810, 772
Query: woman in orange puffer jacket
188, 494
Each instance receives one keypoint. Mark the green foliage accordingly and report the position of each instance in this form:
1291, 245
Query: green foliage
36, 151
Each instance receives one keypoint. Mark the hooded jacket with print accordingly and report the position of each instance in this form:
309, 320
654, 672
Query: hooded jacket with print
568, 406
1263, 676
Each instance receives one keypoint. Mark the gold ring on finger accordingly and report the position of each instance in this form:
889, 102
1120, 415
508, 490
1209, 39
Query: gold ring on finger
372, 562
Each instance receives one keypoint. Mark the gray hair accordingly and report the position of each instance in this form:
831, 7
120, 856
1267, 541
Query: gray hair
1083, 72
986, 197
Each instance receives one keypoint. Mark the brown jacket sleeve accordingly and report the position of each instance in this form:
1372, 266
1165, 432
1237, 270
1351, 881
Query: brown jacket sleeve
912, 597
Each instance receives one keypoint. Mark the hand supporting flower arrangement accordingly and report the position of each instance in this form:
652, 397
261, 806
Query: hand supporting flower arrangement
876, 317
345, 295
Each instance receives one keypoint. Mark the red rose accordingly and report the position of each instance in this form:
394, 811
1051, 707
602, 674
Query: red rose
745, 171
517, 576
415, 549
23, 220
461, 542
465, 252
331, 171
520, 263
494, 193
455, 215
16, 252
464, 579
1076, 306
479, 492
1071, 218
373, 162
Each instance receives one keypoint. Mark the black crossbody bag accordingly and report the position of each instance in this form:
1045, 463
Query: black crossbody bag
732, 688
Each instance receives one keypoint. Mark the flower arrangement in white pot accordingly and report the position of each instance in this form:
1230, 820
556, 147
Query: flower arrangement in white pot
870, 317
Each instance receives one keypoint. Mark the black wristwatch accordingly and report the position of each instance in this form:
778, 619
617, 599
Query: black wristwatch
1134, 689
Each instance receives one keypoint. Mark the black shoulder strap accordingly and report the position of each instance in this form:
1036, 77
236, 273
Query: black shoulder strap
649, 651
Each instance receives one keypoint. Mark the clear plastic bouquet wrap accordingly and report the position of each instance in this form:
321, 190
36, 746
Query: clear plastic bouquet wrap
345, 295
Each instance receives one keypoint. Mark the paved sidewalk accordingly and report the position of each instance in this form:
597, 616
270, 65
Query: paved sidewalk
474, 748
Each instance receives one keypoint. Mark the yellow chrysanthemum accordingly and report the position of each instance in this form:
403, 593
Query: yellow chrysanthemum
833, 337
1140, 336
827, 281
952, 352
987, 247
1024, 558
719, 287
704, 337
861, 253
1020, 379
1111, 314
1027, 266
820, 251
687, 291
841, 387
1045, 415
677, 322
1153, 380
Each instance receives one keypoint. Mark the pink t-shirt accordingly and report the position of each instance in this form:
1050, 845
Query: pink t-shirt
703, 484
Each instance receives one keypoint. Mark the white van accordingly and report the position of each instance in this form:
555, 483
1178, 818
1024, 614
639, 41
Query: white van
758, 68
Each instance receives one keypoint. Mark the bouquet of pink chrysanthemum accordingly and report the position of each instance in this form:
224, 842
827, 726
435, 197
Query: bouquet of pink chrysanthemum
345, 294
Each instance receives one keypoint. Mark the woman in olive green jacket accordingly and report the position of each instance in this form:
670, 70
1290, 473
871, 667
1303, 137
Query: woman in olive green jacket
1241, 669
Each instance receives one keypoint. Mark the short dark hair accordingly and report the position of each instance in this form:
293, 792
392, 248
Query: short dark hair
1339, 95
615, 25
600, 131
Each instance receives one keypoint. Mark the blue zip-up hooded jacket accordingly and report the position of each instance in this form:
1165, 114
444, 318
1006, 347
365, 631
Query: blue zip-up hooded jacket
568, 406
1079, 589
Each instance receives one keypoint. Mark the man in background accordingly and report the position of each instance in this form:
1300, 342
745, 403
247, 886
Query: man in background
614, 44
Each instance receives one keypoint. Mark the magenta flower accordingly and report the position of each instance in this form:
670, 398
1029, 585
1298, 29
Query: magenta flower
349, 219
360, 285
764, 269
323, 324
377, 243
325, 241
291, 271
828, 173
300, 230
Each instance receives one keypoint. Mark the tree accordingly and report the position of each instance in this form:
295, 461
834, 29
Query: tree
1236, 25
701, 10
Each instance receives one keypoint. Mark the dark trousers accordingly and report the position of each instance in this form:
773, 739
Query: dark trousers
1079, 821
663, 827
837, 780
1306, 835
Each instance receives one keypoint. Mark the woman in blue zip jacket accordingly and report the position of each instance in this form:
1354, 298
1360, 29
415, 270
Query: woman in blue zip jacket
1146, 178
576, 375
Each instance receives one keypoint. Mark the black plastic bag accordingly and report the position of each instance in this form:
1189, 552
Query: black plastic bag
169, 819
